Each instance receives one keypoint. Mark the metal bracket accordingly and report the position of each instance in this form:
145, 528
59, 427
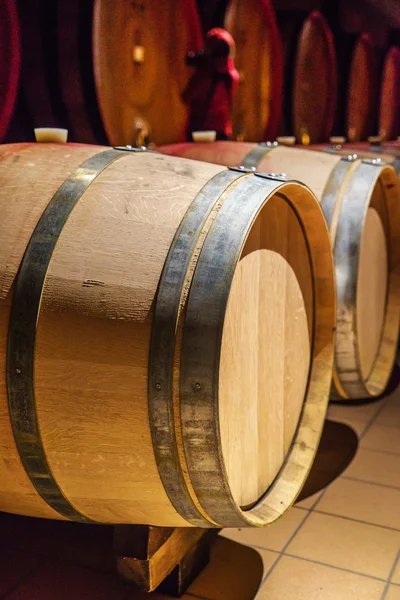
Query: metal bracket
129, 148
269, 144
243, 169
273, 176
376, 162
350, 158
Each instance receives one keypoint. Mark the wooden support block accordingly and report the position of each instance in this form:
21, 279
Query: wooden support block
147, 555
189, 567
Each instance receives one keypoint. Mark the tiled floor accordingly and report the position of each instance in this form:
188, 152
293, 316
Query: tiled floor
344, 542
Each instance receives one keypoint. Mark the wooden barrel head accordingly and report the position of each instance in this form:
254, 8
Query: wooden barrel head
10, 62
371, 289
362, 90
390, 96
257, 107
265, 356
315, 81
139, 51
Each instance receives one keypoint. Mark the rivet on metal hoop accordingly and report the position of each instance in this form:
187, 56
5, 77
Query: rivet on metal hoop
243, 169
350, 158
377, 162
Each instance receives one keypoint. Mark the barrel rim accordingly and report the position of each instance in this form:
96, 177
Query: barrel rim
170, 292
348, 379
195, 390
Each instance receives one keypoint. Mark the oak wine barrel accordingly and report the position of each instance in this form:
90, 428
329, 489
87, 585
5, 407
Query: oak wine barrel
389, 107
152, 376
315, 81
257, 106
96, 67
10, 63
362, 90
361, 202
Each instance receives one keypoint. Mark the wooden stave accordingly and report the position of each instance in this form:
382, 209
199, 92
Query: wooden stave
258, 157
269, 129
10, 63
388, 119
258, 512
61, 78
317, 21
369, 98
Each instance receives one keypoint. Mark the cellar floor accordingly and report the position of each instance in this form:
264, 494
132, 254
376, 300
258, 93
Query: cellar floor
342, 543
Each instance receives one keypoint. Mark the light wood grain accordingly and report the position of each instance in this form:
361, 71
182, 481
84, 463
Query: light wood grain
266, 342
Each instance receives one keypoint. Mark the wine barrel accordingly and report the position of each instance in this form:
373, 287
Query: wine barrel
95, 67
10, 62
389, 108
362, 90
315, 81
145, 355
361, 202
257, 105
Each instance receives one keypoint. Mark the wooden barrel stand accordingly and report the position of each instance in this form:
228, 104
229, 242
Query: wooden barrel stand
164, 558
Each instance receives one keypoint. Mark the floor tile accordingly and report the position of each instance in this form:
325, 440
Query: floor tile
357, 426
296, 579
234, 573
14, 567
396, 574
376, 467
363, 502
309, 502
273, 537
385, 439
366, 549
360, 412
393, 593
63, 581
390, 414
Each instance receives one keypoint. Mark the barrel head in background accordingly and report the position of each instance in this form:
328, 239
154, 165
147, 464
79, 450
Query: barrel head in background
389, 103
257, 106
289, 25
362, 90
315, 81
139, 51
10, 63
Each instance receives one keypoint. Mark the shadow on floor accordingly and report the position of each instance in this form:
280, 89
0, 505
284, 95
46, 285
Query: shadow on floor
336, 450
